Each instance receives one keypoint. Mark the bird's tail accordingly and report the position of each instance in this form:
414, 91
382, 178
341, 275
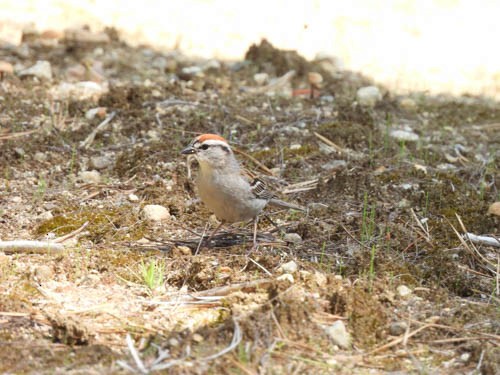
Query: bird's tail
279, 203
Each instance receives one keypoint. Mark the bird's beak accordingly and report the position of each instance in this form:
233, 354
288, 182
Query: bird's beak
188, 150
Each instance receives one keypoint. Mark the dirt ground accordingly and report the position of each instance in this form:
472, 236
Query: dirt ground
375, 277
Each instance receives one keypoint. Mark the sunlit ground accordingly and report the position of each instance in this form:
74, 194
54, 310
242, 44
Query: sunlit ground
436, 46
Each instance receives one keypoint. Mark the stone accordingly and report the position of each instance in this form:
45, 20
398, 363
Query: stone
44, 216
6, 68
133, 198
100, 162
404, 291
42, 69
96, 112
368, 96
20, 152
261, 78
286, 277
408, 104
78, 91
315, 79
289, 267
334, 165
197, 337
404, 203
192, 70
89, 177
81, 35
40, 156
292, 237
155, 212
404, 135
397, 328
494, 209
339, 335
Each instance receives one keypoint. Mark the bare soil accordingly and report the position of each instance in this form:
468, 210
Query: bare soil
383, 217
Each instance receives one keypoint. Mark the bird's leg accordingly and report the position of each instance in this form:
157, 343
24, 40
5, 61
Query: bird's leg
215, 231
255, 224
274, 224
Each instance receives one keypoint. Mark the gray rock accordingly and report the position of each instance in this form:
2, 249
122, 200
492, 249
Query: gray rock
100, 162
19, 152
42, 69
44, 216
289, 267
335, 165
292, 237
286, 277
339, 335
40, 156
133, 198
404, 291
78, 91
89, 177
368, 96
404, 135
155, 212
397, 328
261, 78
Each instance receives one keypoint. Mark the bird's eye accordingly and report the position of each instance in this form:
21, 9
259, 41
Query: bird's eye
204, 147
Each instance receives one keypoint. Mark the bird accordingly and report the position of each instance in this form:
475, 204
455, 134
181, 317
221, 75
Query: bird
225, 188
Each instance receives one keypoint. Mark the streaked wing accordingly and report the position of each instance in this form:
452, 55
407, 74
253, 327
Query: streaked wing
260, 190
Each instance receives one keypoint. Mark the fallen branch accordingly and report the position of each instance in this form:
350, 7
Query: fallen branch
483, 240
101, 127
328, 142
27, 246
15, 135
71, 234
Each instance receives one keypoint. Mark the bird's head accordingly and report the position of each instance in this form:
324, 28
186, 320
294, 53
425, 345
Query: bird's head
211, 150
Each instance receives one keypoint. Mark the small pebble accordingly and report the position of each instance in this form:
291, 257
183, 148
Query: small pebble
289, 267
133, 198
44, 216
78, 91
6, 67
339, 334
155, 212
292, 237
42, 69
368, 96
40, 156
408, 104
100, 162
89, 177
261, 78
334, 165
286, 277
197, 337
314, 79
93, 112
404, 291
397, 328
404, 135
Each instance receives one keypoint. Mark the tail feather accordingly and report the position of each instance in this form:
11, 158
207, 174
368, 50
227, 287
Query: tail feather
279, 203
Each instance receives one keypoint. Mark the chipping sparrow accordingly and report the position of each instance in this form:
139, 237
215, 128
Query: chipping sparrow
223, 186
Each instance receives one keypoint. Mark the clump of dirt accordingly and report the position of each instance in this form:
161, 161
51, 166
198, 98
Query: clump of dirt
275, 61
68, 331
